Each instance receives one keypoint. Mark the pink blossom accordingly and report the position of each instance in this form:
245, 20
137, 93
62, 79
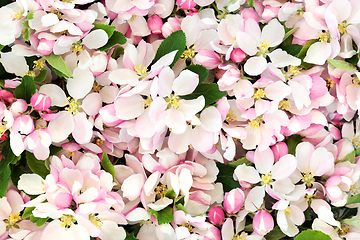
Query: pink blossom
263, 222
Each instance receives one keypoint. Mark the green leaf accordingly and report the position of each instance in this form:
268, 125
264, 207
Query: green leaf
354, 59
163, 216
16, 172
8, 156
225, 177
251, 3
240, 161
130, 237
54, 150
289, 32
199, 70
27, 212
181, 207
342, 65
313, 235
275, 234
353, 199
36, 166
171, 194
354, 221
349, 157
292, 142
303, 51
4, 180
210, 91
34, 219
57, 62
107, 28
107, 165
118, 51
41, 222
293, 49
1, 47
116, 39
175, 41
357, 152
41, 77
26, 88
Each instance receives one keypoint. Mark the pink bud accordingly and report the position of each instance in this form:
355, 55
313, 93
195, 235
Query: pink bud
7, 96
45, 46
270, 12
216, 215
208, 58
233, 201
263, 222
172, 25
23, 124
250, 13
155, 24
279, 149
186, 4
237, 55
40, 101
18, 107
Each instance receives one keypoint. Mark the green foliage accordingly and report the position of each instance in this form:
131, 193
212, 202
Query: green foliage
303, 52
171, 194
199, 70
163, 216
240, 161
41, 77
16, 172
36, 166
340, 64
349, 157
116, 39
313, 235
210, 91
225, 176
293, 49
292, 142
353, 199
26, 88
107, 28
251, 3
4, 180
275, 234
27, 212
57, 62
118, 51
175, 41
107, 165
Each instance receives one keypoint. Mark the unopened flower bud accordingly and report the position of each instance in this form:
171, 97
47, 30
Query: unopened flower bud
233, 201
208, 58
155, 24
237, 55
40, 101
263, 222
173, 24
186, 4
216, 215
279, 149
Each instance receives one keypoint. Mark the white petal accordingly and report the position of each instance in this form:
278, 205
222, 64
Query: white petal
185, 83
281, 59
95, 39
255, 65
57, 95
32, 184
81, 84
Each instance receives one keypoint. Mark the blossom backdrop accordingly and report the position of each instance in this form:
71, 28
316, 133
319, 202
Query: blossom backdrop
186, 119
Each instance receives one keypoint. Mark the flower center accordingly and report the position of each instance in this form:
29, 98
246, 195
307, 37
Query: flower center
284, 105
287, 212
146, 102
77, 47
264, 46
57, 13
307, 176
18, 15
255, 123
238, 237
230, 116
330, 83
160, 190
344, 230
324, 37
266, 178
189, 53
356, 141
95, 220
74, 106
67, 221
356, 81
259, 94
188, 226
141, 71
132, 18
173, 101
354, 189
342, 27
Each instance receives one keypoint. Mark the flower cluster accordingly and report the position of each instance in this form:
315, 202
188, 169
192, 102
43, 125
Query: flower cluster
184, 119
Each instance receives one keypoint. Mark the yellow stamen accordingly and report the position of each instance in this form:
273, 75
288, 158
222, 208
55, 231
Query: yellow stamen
132, 19
356, 81
57, 13
259, 94
345, 229
354, 189
254, 124
189, 53
287, 212
18, 15
356, 141
173, 101
284, 105
147, 223
188, 226
342, 27
99, 141
330, 83
307, 176
233, 39
39, 64
324, 37
95, 220
30, 73
160, 190
266, 178
294, 70
141, 71
300, 12
96, 87
77, 47
230, 116
74, 106
264, 46
67, 221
